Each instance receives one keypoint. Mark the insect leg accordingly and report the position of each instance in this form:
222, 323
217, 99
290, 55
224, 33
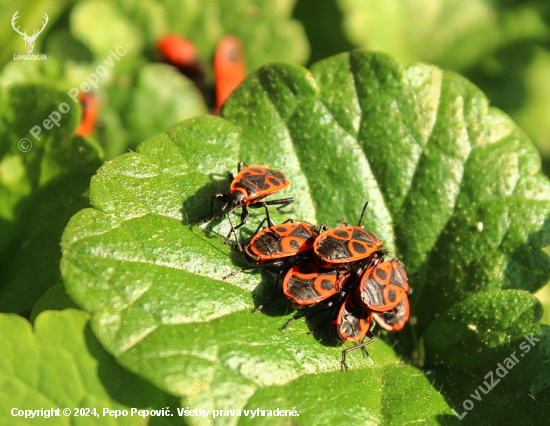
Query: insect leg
360, 346
234, 232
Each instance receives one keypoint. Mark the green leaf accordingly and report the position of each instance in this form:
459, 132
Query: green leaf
61, 365
55, 299
422, 145
101, 26
175, 98
40, 189
501, 46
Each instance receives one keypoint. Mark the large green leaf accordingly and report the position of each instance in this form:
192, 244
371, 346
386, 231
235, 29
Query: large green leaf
62, 366
454, 192
43, 181
500, 45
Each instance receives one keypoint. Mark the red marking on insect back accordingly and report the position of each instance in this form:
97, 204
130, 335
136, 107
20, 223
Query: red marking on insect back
89, 105
382, 286
307, 284
340, 246
229, 68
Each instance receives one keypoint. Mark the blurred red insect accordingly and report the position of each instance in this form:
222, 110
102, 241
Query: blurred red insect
89, 105
229, 68
182, 53
229, 65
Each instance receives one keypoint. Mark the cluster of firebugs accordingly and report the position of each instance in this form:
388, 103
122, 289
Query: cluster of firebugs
343, 267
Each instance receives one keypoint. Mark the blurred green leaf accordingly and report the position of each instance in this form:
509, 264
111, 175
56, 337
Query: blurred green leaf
40, 189
91, 32
61, 365
103, 28
454, 190
173, 96
55, 299
453, 34
264, 27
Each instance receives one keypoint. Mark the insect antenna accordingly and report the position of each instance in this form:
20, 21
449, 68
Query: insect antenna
363, 213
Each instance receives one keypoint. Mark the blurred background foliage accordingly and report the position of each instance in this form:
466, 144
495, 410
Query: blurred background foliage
503, 46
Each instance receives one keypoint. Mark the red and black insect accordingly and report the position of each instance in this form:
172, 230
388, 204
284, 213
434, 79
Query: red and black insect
89, 103
182, 53
345, 245
277, 243
352, 323
229, 68
396, 319
247, 190
382, 286
307, 283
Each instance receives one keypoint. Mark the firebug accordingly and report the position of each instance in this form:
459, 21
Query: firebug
274, 244
277, 245
247, 190
307, 283
352, 323
382, 286
89, 114
182, 53
229, 68
341, 247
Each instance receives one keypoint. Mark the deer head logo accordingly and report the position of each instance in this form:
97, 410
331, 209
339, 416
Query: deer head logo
29, 41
